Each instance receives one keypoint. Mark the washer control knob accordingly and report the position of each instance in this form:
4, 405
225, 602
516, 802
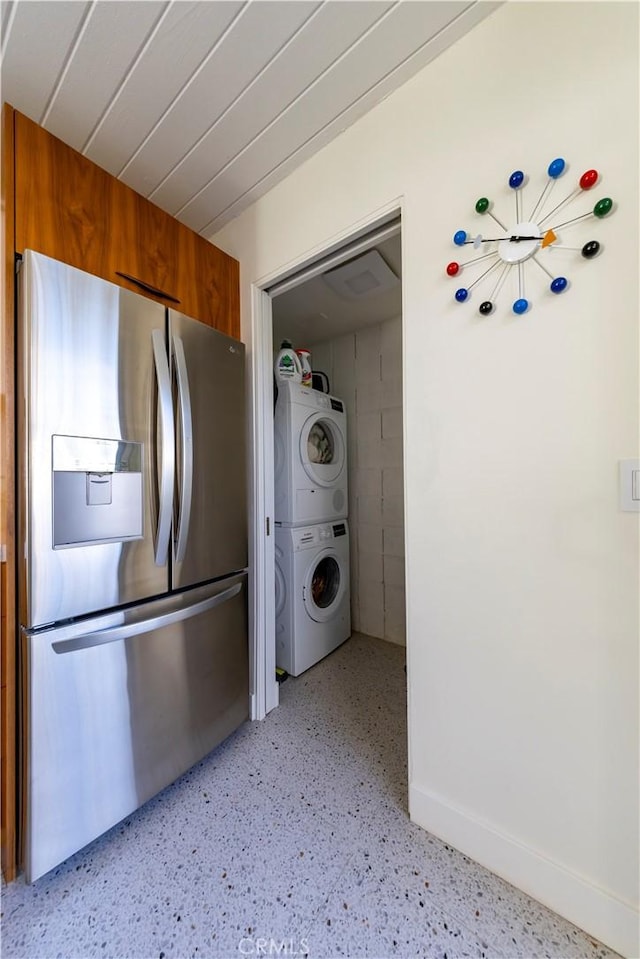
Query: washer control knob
324, 532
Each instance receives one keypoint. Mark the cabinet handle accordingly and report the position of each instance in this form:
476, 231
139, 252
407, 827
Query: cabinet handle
147, 287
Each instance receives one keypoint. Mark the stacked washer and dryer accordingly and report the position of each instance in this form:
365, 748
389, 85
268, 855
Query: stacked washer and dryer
313, 611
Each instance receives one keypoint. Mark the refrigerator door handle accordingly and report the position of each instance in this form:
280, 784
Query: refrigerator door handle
114, 634
167, 462
186, 443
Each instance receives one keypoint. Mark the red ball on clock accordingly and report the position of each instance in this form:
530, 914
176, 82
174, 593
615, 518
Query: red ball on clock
588, 179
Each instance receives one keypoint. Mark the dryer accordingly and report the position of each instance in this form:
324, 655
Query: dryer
310, 456
313, 614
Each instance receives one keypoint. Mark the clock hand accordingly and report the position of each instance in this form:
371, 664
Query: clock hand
499, 239
462, 238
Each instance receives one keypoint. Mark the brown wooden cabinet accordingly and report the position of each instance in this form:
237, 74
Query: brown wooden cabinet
8, 717
70, 209
57, 202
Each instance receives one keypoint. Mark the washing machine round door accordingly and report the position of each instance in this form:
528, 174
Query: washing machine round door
281, 586
322, 449
324, 586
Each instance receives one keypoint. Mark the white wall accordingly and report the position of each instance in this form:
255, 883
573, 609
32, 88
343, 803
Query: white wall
365, 370
522, 615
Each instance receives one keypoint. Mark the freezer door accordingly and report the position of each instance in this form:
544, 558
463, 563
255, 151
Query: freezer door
91, 356
120, 706
210, 513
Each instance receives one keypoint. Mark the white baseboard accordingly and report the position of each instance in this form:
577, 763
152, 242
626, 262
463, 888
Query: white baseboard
602, 915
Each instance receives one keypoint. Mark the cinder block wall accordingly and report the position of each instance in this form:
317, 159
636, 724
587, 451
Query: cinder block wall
365, 370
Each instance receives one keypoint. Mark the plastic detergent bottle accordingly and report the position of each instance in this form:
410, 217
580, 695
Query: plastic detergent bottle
305, 365
287, 366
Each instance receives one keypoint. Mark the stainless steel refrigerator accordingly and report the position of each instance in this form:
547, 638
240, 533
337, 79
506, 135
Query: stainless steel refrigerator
133, 538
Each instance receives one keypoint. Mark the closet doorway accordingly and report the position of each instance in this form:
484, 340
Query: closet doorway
345, 306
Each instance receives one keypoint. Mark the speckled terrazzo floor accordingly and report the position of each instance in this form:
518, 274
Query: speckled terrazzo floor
290, 839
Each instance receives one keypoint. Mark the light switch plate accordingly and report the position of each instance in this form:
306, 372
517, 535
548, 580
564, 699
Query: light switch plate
629, 485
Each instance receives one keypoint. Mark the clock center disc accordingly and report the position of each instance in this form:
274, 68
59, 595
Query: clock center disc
516, 251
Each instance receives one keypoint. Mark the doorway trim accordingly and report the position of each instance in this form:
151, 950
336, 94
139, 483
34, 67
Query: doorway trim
265, 692
262, 609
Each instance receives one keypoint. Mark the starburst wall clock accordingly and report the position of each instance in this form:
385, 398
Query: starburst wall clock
529, 244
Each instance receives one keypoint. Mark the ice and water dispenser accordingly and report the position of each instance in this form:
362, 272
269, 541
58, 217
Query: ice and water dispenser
97, 491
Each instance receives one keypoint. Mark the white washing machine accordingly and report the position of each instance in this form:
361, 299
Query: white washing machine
313, 614
310, 456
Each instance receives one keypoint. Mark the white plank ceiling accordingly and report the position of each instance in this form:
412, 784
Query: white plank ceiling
204, 106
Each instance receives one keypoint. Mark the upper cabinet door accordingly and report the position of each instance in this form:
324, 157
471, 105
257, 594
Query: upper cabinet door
63, 202
70, 209
209, 283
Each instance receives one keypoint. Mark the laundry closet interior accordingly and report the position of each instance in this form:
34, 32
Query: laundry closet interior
339, 559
